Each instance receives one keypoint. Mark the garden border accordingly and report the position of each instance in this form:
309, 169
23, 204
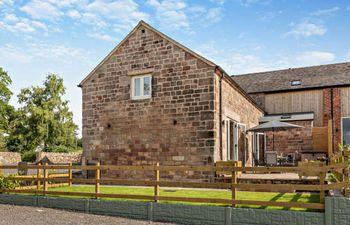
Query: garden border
337, 209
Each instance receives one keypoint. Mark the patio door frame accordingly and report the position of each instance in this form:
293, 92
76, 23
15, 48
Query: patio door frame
232, 139
256, 146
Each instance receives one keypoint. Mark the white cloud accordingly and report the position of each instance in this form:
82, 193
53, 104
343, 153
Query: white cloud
122, 12
41, 10
316, 57
326, 12
9, 53
30, 52
74, 14
177, 15
214, 15
94, 20
306, 29
251, 2
102, 37
170, 13
10, 18
219, 2
12, 23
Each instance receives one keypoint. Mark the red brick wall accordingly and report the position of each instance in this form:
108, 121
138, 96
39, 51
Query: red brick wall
329, 95
174, 127
291, 140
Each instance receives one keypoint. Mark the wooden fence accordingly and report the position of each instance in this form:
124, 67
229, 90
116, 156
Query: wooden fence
340, 166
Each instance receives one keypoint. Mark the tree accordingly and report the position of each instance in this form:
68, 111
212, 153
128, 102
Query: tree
5, 108
44, 118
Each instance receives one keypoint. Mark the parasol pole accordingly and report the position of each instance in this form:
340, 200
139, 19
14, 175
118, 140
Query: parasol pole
273, 139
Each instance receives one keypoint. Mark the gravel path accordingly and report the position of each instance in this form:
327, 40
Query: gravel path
24, 215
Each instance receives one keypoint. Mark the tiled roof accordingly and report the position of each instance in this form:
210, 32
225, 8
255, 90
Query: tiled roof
309, 77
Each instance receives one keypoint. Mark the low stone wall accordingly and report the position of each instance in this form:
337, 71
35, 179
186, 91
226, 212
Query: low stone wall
57, 158
186, 214
10, 158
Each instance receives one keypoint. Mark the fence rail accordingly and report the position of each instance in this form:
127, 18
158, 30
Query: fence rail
338, 165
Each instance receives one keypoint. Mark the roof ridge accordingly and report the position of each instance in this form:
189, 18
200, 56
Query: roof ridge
292, 68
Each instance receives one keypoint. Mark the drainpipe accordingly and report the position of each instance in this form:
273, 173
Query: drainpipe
332, 117
220, 112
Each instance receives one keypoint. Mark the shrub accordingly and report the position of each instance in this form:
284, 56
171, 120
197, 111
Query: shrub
8, 184
29, 156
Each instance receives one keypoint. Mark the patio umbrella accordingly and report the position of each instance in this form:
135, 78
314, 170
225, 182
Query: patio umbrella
272, 126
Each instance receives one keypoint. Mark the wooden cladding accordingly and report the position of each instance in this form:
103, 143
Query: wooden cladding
320, 139
345, 102
298, 101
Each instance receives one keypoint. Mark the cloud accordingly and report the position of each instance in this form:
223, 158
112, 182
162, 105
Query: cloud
219, 2
251, 2
326, 12
103, 37
74, 14
30, 52
41, 10
315, 57
306, 29
213, 15
122, 12
177, 15
170, 13
9, 53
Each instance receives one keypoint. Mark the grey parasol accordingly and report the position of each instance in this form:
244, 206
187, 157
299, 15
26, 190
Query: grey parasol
272, 126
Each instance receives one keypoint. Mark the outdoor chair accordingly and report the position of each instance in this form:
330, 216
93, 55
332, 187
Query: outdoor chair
271, 158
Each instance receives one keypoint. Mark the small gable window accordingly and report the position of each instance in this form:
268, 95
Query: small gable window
296, 82
141, 87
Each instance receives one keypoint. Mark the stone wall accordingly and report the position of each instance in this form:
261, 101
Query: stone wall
292, 140
10, 158
174, 127
237, 107
53, 157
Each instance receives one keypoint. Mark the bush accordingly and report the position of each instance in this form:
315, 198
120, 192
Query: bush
8, 184
29, 156
61, 149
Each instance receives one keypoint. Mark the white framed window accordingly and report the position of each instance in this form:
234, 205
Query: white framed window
141, 87
345, 125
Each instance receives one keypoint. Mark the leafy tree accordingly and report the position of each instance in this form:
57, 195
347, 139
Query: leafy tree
5, 108
44, 118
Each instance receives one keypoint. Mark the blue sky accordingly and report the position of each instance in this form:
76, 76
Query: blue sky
70, 37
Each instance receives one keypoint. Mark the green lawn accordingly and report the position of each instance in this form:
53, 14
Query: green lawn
219, 194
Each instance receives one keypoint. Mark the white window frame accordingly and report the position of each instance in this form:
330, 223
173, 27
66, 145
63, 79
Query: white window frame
345, 117
142, 96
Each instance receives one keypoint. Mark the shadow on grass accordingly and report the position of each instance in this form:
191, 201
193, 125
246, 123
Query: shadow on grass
274, 199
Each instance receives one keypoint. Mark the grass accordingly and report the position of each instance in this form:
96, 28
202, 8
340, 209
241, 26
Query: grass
219, 194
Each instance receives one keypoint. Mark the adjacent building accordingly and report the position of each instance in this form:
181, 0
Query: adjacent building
309, 96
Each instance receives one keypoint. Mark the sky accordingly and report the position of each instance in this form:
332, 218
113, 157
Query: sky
70, 37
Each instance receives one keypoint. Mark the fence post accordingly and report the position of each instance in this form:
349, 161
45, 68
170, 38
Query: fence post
38, 176
322, 191
97, 176
70, 174
233, 183
156, 186
46, 175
